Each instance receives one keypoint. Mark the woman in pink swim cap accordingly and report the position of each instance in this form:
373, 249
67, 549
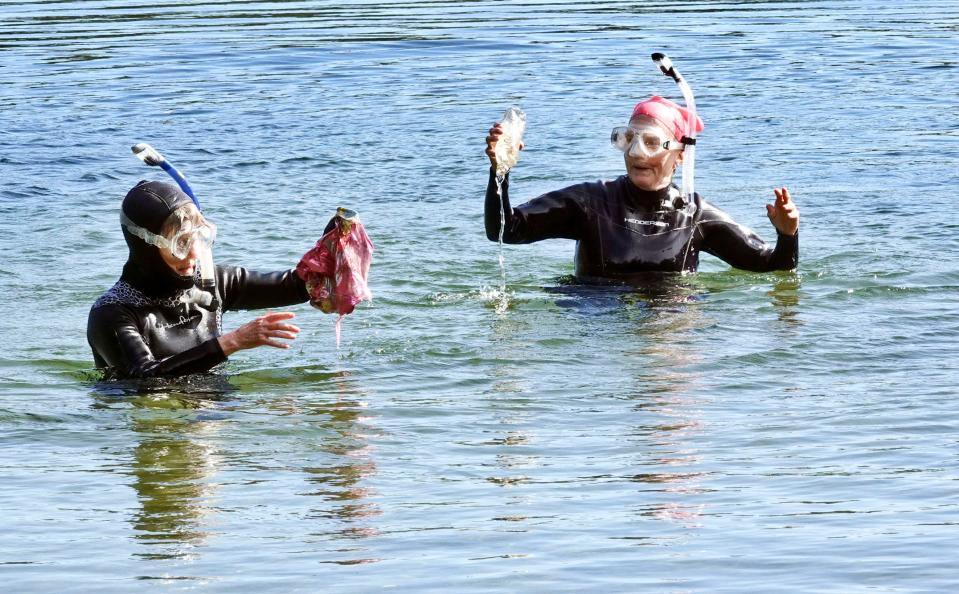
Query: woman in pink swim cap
651, 142
640, 222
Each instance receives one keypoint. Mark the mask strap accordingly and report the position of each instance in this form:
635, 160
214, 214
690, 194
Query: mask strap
151, 238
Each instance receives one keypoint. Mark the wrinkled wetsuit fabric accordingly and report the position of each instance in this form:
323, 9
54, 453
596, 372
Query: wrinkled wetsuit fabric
153, 322
623, 232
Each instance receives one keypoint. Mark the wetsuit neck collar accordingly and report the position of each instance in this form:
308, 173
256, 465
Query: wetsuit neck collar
154, 281
647, 197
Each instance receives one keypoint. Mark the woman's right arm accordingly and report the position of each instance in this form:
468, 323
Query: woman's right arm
557, 214
554, 215
114, 335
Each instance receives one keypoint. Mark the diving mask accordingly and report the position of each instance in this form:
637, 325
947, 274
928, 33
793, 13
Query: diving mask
181, 239
647, 140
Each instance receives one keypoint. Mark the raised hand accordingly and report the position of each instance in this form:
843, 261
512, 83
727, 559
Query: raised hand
784, 214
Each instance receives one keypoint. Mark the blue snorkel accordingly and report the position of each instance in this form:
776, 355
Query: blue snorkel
152, 157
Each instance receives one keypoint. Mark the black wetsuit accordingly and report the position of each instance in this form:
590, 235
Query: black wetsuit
133, 335
153, 322
622, 231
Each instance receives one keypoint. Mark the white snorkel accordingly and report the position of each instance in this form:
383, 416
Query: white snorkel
689, 140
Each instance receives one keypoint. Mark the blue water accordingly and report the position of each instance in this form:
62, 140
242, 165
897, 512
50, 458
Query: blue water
726, 432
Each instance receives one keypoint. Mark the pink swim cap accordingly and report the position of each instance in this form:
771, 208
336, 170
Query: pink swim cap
670, 115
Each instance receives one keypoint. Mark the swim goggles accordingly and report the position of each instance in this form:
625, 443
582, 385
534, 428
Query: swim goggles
649, 141
182, 241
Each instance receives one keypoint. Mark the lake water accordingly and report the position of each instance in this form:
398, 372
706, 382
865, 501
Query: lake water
723, 432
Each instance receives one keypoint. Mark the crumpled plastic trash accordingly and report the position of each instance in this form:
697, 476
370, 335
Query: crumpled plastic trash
507, 148
336, 269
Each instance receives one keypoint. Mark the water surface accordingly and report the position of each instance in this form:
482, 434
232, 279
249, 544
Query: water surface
720, 432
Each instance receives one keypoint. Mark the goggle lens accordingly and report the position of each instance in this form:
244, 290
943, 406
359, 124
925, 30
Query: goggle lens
182, 242
647, 141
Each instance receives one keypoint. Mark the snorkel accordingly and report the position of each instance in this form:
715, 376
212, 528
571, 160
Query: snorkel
153, 158
689, 140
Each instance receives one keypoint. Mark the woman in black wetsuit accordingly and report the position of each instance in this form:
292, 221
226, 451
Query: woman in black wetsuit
639, 222
156, 320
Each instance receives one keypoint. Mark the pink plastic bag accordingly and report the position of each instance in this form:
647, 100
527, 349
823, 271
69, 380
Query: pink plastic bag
336, 269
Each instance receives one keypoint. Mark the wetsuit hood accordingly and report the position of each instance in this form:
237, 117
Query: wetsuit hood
148, 205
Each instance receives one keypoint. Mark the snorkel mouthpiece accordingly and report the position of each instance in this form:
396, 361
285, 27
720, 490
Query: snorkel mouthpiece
207, 269
666, 65
689, 140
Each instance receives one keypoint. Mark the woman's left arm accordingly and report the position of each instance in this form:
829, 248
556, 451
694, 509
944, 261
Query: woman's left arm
741, 248
245, 289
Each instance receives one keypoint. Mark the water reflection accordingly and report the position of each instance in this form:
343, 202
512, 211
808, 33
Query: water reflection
644, 292
172, 464
509, 435
665, 387
341, 481
511, 428
785, 298
172, 470
174, 461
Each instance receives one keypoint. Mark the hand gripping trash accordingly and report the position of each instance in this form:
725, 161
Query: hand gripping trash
336, 269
